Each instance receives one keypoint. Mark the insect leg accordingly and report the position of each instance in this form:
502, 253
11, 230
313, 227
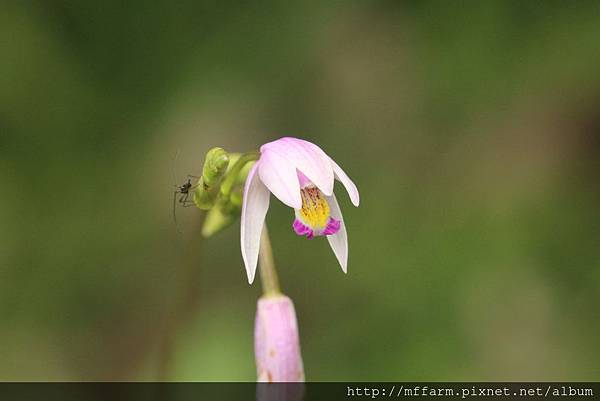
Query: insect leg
174, 212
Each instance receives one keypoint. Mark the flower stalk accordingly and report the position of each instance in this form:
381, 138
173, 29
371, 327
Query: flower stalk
276, 337
268, 272
233, 175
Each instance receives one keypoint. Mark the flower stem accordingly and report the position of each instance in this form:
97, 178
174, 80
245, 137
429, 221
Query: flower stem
268, 272
233, 172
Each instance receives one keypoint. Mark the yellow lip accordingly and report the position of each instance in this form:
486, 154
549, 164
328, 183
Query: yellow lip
315, 209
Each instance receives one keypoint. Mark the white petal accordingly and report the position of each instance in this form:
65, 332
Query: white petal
279, 175
347, 182
307, 158
339, 240
254, 209
312, 162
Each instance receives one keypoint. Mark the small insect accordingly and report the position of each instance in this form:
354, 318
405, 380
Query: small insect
185, 190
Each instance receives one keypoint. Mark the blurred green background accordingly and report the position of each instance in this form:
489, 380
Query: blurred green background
471, 129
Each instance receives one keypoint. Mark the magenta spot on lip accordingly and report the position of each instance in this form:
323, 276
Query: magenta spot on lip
333, 226
301, 229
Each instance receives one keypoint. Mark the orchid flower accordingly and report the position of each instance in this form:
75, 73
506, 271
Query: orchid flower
301, 175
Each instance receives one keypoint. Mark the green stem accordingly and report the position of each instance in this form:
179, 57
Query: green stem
268, 272
232, 174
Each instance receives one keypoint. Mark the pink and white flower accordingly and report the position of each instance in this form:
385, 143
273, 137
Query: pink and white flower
301, 175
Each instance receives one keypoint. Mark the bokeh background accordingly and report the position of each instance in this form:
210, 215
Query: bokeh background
472, 131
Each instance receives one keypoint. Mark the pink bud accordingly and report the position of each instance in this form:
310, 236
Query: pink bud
276, 341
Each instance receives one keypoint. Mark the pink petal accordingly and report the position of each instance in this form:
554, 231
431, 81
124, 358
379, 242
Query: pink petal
279, 175
254, 209
347, 182
303, 180
276, 341
308, 158
339, 240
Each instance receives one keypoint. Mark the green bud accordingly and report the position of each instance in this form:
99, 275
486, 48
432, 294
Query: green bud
216, 220
216, 163
236, 199
215, 166
220, 188
204, 197
223, 213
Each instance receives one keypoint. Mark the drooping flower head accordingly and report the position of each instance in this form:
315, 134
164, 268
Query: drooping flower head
301, 175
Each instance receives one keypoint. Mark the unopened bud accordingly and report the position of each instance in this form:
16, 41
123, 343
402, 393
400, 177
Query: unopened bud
215, 166
276, 341
216, 220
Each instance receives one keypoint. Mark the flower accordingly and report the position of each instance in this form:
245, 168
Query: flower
301, 175
276, 341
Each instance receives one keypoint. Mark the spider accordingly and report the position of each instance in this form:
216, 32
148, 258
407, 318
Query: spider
185, 190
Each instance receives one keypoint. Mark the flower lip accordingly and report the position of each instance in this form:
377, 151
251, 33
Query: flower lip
315, 212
